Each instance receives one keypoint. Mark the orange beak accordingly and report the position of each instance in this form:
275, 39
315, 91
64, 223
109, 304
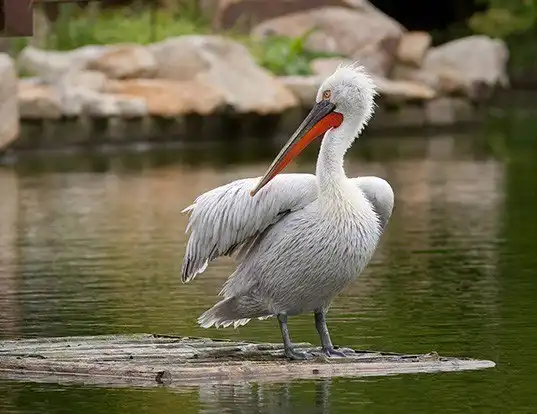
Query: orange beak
320, 119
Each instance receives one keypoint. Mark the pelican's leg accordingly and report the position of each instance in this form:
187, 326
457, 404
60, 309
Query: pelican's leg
326, 342
287, 346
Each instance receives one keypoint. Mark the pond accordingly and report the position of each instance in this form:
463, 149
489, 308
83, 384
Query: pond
94, 246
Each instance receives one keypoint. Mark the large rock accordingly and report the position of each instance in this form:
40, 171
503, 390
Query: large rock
413, 47
125, 61
170, 98
365, 35
244, 14
324, 67
303, 87
446, 81
39, 101
51, 65
402, 91
225, 66
9, 110
109, 105
474, 65
85, 79
391, 90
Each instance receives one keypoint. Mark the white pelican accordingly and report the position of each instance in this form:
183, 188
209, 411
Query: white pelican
300, 239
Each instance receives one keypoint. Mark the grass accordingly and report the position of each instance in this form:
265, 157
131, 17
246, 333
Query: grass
77, 27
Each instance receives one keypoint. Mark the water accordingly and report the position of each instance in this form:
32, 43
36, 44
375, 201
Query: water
94, 246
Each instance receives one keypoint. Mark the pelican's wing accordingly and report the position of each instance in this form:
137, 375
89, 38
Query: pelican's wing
380, 194
227, 217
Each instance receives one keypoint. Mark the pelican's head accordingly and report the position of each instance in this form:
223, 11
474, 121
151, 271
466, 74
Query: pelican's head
345, 98
352, 93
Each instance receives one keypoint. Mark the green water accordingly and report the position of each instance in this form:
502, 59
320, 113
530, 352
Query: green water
94, 246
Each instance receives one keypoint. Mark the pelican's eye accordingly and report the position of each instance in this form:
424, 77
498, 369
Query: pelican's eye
327, 94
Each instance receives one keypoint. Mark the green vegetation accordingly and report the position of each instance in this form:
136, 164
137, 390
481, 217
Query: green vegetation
283, 55
78, 27
504, 18
513, 21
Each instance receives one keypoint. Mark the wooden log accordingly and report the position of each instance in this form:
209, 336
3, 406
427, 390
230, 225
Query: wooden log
151, 360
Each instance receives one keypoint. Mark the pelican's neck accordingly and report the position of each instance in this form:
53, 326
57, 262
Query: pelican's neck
331, 178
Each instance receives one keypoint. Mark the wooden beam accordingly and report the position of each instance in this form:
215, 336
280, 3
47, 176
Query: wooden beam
153, 360
17, 18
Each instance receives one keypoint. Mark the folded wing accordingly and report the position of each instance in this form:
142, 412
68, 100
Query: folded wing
226, 218
380, 194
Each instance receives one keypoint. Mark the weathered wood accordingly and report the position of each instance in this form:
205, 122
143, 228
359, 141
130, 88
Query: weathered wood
151, 360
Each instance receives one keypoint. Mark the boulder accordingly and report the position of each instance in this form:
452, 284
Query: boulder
39, 101
476, 64
446, 81
226, 66
413, 47
9, 110
324, 67
365, 35
170, 98
125, 61
303, 87
109, 105
244, 14
85, 79
391, 90
77, 87
51, 65
402, 91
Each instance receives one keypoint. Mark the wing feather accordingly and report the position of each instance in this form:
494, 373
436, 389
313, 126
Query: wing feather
227, 218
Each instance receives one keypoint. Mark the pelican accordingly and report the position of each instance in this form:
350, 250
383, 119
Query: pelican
299, 239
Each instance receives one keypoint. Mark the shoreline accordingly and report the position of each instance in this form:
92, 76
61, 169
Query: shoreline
37, 134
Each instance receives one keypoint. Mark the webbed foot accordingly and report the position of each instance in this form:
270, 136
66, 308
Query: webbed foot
340, 352
293, 355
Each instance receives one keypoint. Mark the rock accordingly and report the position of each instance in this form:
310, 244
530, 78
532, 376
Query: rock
303, 87
412, 48
445, 81
324, 67
391, 90
170, 98
225, 66
9, 110
51, 65
76, 87
477, 63
86, 79
125, 61
39, 101
109, 105
401, 91
368, 36
244, 14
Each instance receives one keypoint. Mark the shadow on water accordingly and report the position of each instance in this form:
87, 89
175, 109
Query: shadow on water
94, 245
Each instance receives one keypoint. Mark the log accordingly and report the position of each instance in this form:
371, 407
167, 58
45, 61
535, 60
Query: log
148, 360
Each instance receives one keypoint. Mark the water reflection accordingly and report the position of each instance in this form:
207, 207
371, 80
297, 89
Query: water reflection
9, 188
266, 399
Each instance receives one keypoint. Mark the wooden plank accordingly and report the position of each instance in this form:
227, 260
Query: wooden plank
151, 360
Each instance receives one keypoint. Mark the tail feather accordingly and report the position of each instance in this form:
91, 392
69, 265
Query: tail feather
236, 311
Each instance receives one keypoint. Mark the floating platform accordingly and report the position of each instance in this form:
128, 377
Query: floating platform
147, 360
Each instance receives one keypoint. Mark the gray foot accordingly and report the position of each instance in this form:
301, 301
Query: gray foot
340, 352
